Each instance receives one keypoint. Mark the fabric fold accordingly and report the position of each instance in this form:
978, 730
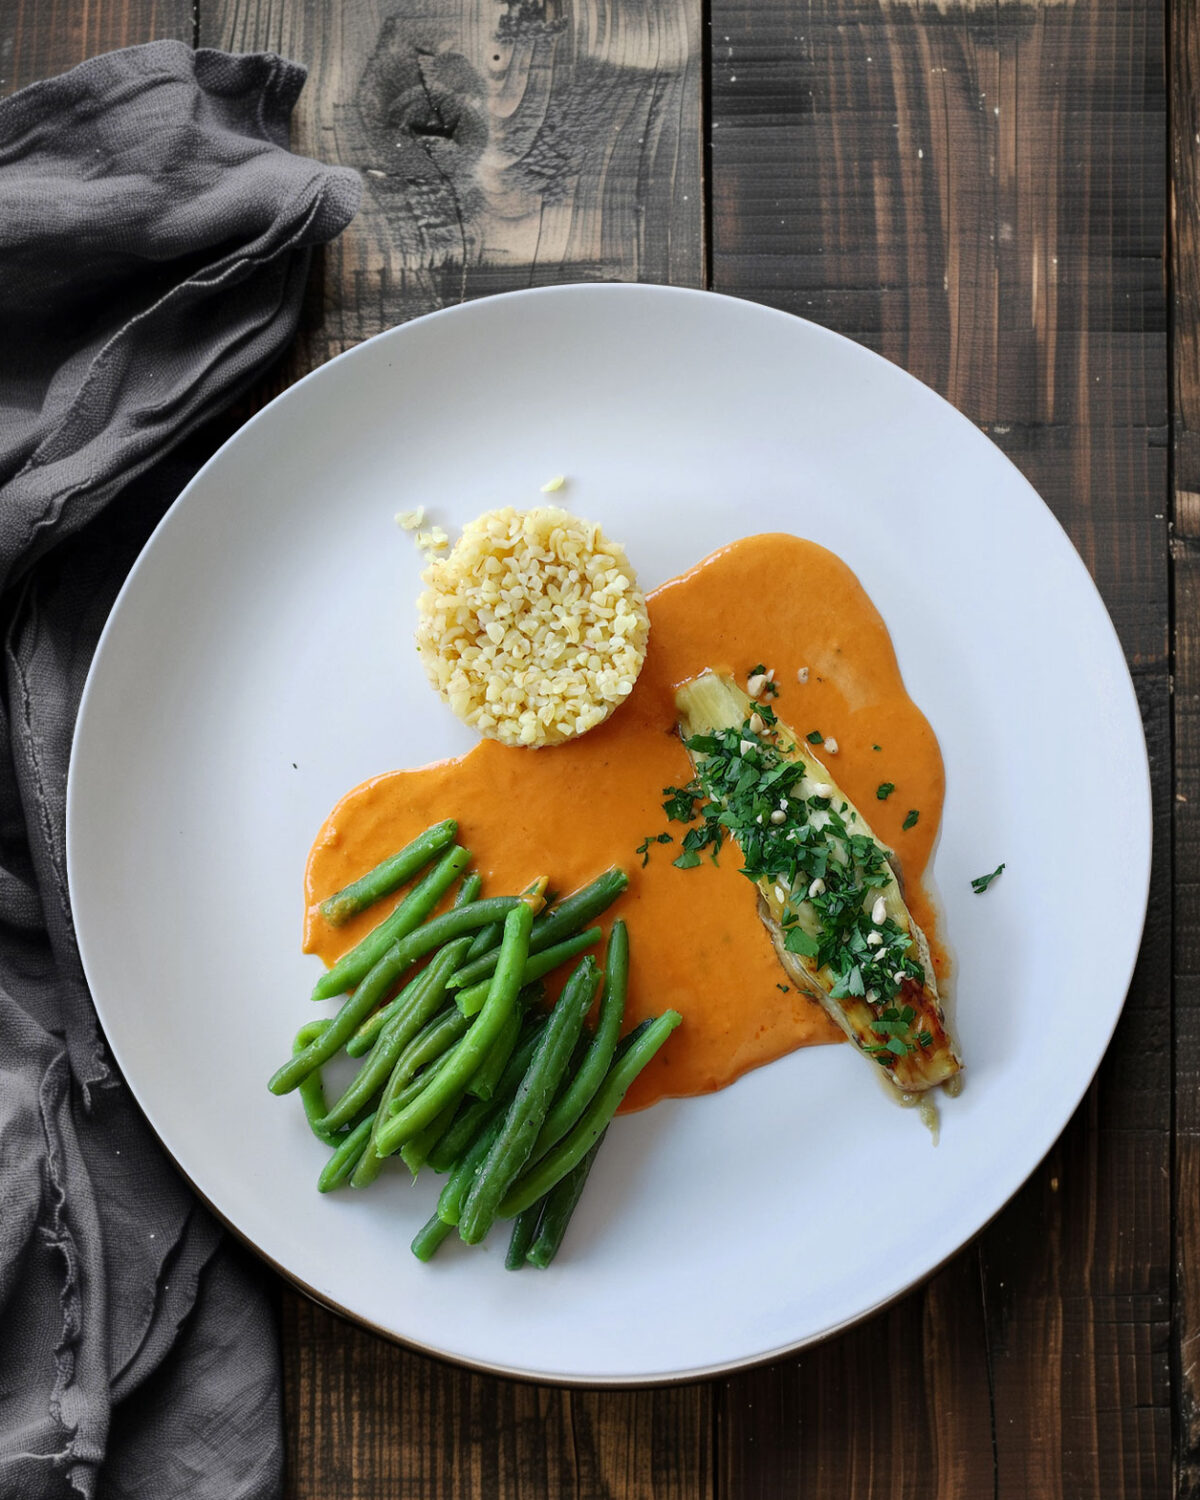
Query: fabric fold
155, 235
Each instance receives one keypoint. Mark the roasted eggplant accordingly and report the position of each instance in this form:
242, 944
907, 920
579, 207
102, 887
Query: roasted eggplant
829, 893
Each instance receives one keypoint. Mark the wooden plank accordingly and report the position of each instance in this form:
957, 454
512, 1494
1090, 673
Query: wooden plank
1184, 51
39, 38
976, 192
502, 147
890, 1408
365, 1421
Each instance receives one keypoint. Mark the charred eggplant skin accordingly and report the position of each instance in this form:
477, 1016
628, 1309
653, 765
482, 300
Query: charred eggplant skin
829, 893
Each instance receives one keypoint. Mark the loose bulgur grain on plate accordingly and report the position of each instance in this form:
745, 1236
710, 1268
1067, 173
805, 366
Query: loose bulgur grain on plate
533, 629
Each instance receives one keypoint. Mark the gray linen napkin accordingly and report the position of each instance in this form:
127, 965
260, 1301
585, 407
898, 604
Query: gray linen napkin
155, 235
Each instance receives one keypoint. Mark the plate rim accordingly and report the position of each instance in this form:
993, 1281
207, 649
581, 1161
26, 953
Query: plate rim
1061, 1116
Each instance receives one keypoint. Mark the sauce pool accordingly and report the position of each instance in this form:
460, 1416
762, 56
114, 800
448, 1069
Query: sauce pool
567, 812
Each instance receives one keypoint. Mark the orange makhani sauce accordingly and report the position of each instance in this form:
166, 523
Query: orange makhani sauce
569, 811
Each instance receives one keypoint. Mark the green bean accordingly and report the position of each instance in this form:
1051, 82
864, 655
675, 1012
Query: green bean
557, 1207
563, 921
571, 1150
450, 1200
533, 995
407, 917
523, 1231
310, 1031
496, 1067
396, 1094
368, 1166
450, 1144
431, 1044
470, 1050
429, 1051
312, 1090
422, 1051
485, 940
631, 1037
429, 1237
338, 1168
386, 876
364, 1037
463, 1130
588, 1077
488, 938
364, 999
537, 966
483, 1085
407, 1022
470, 1121
458, 922
406, 1083
415, 1152
380, 979
528, 1110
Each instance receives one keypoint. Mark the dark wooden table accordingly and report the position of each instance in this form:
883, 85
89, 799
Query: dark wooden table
1003, 198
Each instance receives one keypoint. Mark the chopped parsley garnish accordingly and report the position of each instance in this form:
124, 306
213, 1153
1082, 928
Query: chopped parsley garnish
815, 737
783, 989
894, 1026
644, 847
911, 820
680, 806
804, 849
981, 882
797, 940
884, 790
709, 835
876, 747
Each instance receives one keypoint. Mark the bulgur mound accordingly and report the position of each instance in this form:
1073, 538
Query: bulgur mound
533, 629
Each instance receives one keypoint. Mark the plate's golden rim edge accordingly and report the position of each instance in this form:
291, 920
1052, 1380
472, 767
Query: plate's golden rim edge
698, 1376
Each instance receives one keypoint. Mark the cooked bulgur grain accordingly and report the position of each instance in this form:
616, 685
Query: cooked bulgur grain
533, 629
433, 540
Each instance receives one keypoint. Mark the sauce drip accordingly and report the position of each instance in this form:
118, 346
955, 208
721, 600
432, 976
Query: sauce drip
696, 942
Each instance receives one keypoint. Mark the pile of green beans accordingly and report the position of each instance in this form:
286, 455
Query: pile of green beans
462, 1070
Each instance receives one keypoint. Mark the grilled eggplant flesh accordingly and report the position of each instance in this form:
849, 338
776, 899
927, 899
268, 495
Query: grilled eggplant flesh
829, 893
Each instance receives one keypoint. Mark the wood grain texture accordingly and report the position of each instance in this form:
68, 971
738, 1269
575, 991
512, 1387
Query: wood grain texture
503, 145
897, 1406
1185, 560
977, 193
365, 1421
39, 38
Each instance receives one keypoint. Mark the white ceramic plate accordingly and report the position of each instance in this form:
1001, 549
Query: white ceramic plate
257, 665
